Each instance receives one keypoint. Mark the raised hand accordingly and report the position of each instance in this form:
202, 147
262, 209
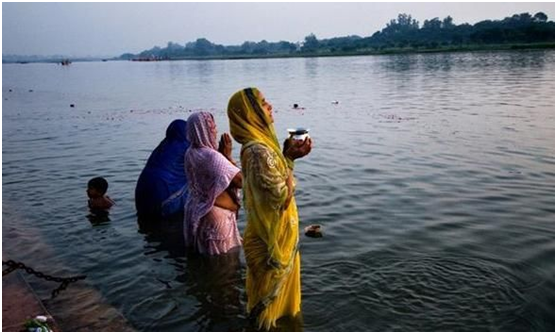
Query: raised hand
225, 146
295, 149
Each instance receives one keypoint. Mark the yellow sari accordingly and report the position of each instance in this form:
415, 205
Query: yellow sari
271, 237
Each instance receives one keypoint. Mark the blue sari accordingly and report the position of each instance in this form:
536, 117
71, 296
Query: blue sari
161, 189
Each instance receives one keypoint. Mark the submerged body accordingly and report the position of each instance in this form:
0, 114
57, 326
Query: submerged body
99, 202
161, 189
273, 283
210, 213
271, 239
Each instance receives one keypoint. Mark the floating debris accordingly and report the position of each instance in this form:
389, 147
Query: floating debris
40, 323
393, 118
313, 231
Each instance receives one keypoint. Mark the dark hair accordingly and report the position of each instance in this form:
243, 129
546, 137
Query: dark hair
98, 183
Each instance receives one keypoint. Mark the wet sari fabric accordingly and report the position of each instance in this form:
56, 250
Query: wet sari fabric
207, 228
161, 189
271, 238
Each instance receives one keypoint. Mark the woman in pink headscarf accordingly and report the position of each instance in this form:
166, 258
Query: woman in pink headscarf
214, 180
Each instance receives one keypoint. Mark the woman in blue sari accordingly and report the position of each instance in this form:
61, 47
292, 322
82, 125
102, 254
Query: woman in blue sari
161, 189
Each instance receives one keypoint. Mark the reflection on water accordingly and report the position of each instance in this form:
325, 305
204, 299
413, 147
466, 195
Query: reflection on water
311, 67
96, 219
216, 282
163, 235
433, 179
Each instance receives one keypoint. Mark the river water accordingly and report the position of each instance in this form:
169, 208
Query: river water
433, 179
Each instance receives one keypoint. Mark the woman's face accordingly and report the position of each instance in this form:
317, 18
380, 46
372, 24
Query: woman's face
213, 127
267, 107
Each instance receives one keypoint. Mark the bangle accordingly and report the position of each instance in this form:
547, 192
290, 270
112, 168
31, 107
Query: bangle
289, 163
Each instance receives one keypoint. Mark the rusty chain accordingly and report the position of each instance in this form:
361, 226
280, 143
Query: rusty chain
12, 265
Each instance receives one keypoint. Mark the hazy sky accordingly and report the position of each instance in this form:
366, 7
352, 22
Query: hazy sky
110, 29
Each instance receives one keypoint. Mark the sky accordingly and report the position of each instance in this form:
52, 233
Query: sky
111, 29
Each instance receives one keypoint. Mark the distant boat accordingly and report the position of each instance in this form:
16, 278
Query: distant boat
65, 62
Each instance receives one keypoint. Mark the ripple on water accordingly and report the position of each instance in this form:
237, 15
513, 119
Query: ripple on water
419, 156
417, 293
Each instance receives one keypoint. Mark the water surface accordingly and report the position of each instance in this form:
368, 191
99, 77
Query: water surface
433, 179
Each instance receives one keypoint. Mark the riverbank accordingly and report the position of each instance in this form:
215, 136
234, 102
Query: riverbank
386, 51
79, 307
20, 303
373, 52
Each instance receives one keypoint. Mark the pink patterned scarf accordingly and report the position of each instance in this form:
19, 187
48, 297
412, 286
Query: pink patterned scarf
208, 171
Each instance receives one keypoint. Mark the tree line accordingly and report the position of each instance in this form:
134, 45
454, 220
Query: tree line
402, 33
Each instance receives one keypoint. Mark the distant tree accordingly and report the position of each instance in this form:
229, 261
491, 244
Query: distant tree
172, 50
219, 49
348, 43
433, 24
262, 48
152, 53
127, 56
447, 23
203, 47
248, 47
311, 43
518, 20
525, 17
286, 47
173, 46
540, 17
403, 23
402, 32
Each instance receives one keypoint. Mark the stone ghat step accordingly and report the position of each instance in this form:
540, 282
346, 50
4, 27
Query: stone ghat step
20, 303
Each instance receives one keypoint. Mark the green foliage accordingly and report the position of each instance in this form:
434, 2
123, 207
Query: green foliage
36, 325
311, 44
402, 33
540, 17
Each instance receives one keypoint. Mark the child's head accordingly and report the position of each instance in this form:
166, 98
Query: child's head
96, 187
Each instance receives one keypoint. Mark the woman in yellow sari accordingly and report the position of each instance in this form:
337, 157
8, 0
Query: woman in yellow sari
271, 237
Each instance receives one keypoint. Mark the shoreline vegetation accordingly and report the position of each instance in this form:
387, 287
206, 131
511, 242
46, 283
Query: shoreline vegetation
392, 51
402, 35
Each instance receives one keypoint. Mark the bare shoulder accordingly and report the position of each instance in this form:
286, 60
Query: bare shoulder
109, 201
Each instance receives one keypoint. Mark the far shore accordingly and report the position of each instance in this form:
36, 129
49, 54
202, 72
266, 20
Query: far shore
387, 51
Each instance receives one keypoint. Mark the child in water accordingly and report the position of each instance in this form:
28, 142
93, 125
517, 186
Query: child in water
99, 203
